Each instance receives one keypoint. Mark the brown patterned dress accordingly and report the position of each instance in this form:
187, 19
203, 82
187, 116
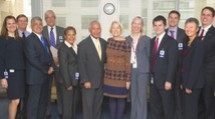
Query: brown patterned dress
117, 71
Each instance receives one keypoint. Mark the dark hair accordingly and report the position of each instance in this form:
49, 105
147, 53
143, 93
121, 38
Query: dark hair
21, 15
210, 9
175, 12
35, 18
69, 28
159, 18
193, 20
4, 31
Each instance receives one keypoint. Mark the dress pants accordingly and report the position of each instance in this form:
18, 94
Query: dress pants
37, 100
162, 104
92, 101
139, 88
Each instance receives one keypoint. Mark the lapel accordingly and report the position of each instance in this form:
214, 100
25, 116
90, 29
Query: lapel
46, 33
57, 35
163, 41
209, 34
37, 40
191, 47
91, 44
179, 35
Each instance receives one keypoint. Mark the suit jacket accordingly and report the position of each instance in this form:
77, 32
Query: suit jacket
68, 61
91, 68
193, 64
59, 33
209, 46
38, 61
181, 36
165, 61
142, 53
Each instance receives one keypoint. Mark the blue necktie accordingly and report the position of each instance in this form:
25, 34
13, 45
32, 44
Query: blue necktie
52, 38
44, 45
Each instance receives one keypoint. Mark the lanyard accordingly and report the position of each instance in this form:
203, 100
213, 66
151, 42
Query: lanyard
132, 44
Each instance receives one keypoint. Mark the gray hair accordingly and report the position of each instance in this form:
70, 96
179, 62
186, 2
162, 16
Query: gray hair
193, 20
92, 23
34, 19
49, 12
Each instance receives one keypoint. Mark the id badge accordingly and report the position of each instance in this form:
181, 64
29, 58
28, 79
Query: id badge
152, 80
180, 46
61, 39
5, 74
161, 53
76, 76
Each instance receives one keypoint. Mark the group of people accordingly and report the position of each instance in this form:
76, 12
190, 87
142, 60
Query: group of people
178, 65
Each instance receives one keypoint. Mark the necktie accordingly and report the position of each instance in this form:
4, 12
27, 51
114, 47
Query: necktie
23, 35
44, 45
98, 48
52, 38
201, 35
172, 34
154, 54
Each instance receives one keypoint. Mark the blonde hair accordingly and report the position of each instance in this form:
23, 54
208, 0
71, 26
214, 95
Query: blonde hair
120, 26
141, 20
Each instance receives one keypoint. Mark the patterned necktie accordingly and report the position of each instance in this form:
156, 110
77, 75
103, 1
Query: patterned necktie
201, 35
172, 34
155, 50
52, 38
98, 48
23, 35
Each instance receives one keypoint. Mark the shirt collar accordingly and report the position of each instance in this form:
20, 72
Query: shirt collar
38, 35
49, 27
206, 28
67, 44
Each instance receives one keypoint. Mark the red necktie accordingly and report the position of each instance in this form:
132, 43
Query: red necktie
155, 50
172, 34
201, 35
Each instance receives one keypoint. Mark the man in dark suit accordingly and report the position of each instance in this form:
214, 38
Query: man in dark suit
91, 59
207, 35
179, 35
39, 66
54, 35
163, 68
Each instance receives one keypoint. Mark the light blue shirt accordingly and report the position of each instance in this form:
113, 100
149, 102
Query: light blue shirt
175, 32
27, 33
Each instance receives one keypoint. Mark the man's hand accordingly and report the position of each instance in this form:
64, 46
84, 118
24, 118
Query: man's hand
87, 85
50, 70
69, 88
4, 83
168, 85
188, 91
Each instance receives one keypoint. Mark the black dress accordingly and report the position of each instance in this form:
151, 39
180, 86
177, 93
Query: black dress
12, 61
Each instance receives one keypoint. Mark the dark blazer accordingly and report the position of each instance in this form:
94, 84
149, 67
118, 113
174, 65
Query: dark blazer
209, 46
90, 67
193, 64
142, 53
38, 61
59, 33
68, 61
11, 54
165, 66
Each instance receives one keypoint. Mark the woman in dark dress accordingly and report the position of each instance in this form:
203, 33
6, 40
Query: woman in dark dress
192, 72
12, 65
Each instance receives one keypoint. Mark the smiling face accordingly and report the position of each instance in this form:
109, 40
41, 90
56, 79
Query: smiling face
50, 19
11, 25
70, 36
173, 20
191, 29
206, 18
95, 30
22, 23
37, 26
137, 25
159, 27
116, 29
